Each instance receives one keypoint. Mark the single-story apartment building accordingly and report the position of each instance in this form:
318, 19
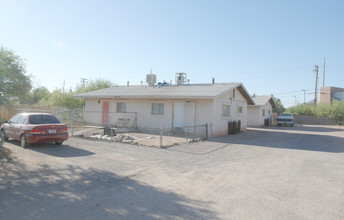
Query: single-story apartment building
256, 114
170, 106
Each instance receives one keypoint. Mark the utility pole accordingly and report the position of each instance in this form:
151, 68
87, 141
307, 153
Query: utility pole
295, 100
64, 83
83, 81
316, 85
304, 96
324, 74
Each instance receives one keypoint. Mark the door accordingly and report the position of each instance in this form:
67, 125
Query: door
18, 127
189, 116
105, 116
178, 114
183, 114
9, 128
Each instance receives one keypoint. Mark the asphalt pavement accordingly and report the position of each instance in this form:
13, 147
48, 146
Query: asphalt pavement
263, 173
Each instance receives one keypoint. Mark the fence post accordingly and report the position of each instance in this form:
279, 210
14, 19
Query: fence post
72, 121
186, 135
206, 131
160, 144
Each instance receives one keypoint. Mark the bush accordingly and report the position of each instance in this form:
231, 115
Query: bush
304, 109
334, 110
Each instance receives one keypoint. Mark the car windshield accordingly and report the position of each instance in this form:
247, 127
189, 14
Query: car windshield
288, 115
43, 119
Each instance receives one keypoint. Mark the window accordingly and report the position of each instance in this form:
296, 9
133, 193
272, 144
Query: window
157, 108
121, 107
269, 112
233, 93
22, 119
43, 119
240, 109
225, 110
263, 112
14, 119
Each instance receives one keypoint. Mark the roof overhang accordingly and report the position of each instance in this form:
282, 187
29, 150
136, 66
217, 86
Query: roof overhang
247, 96
272, 102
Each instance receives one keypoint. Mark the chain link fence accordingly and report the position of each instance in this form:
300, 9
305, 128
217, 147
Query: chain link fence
122, 127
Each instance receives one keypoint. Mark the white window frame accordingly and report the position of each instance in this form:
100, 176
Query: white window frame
263, 112
161, 108
240, 109
224, 107
120, 109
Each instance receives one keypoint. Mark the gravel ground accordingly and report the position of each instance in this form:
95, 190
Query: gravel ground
274, 173
142, 139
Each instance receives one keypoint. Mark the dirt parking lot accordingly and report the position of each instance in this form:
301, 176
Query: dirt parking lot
272, 173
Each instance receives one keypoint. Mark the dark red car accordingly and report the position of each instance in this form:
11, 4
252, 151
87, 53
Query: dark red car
34, 128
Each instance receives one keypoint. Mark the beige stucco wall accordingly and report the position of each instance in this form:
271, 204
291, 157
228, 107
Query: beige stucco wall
207, 111
255, 114
219, 125
326, 94
142, 108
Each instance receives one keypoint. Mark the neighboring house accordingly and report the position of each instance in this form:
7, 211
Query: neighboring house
256, 114
328, 94
170, 106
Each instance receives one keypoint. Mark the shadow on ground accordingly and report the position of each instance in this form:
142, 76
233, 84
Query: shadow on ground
52, 149
76, 193
283, 138
310, 128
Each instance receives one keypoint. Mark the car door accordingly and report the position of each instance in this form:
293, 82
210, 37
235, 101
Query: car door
18, 127
9, 127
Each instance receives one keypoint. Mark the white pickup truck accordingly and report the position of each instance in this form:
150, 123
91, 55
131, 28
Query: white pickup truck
285, 119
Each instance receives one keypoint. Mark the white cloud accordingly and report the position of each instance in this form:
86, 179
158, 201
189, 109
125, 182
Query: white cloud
59, 44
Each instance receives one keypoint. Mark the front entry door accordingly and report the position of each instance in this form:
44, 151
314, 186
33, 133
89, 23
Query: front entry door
178, 114
184, 114
105, 118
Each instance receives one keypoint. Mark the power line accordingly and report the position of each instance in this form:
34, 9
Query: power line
281, 93
83, 80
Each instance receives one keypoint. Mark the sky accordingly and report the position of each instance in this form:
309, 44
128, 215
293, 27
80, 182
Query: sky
269, 46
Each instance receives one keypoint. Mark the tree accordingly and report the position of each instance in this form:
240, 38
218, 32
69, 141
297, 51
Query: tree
337, 110
303, 109
39, 93
13, 79
93, 85
65, 99
62, 99
35, 95
279, 106
334, 110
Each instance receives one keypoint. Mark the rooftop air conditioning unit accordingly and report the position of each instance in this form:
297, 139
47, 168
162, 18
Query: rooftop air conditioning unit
180, 78
151, 79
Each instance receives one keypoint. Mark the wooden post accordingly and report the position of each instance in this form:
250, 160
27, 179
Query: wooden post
72, 122
160, 144
186, 136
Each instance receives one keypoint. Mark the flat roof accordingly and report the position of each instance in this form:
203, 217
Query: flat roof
197, 91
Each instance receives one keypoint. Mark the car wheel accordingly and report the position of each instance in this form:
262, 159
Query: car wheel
3, 136
58, 142
23, 142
